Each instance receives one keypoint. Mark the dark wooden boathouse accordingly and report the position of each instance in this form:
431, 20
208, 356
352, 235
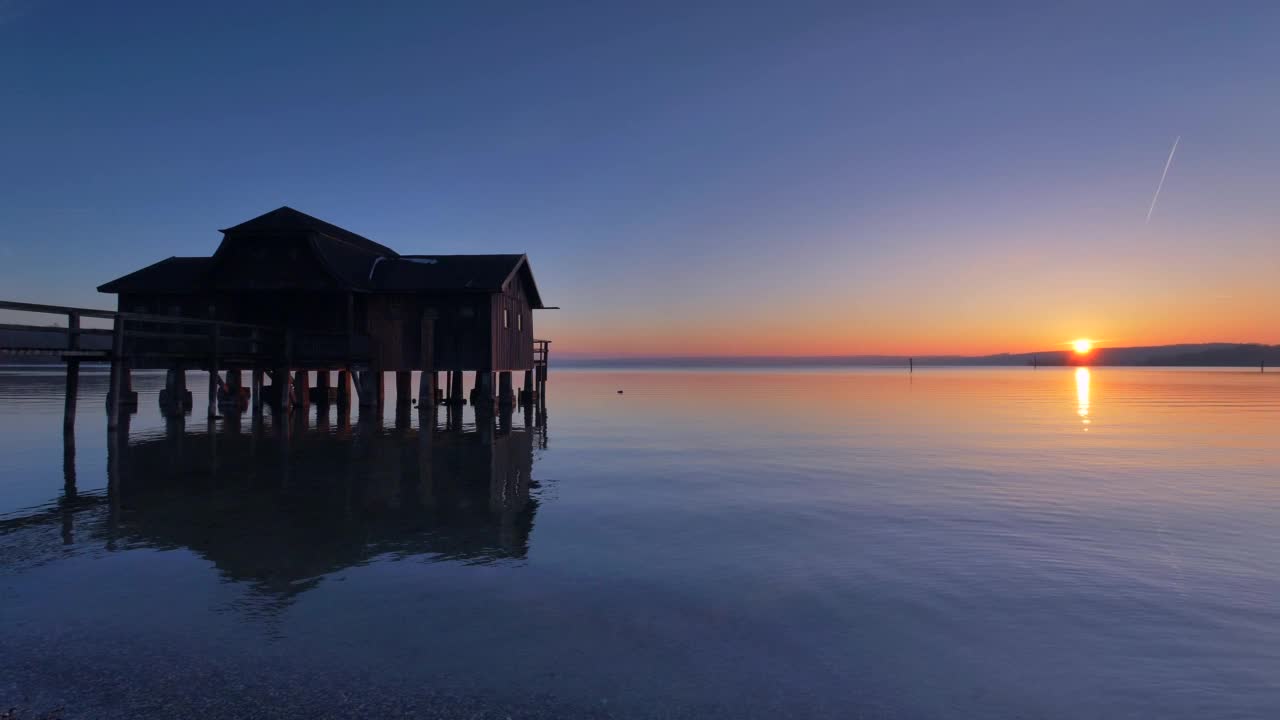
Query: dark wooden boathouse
313, 296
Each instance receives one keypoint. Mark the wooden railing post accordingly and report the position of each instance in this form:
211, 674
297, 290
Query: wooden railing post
214, 337
73, 331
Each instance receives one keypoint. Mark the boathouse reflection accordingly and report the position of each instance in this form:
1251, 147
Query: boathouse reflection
280, 503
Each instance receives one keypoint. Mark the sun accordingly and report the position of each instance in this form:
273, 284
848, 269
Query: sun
1082, 346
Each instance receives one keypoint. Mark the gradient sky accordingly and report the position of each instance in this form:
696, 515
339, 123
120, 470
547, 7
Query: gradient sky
738, 178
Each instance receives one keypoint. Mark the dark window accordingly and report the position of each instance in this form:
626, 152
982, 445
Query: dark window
519, 322
505, 323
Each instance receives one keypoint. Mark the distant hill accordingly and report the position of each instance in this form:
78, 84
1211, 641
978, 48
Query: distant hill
1187, 355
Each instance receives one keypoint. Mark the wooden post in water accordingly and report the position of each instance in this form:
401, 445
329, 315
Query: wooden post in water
213, 370
911, 365
114, 389
234, 382
280, 386
344, 388
426, 390
455, 387
322, 384
526, 393
302, 390
256, 390
73, 387
484, 390
73, 374
364, 388
506, 397
404, 388
213, 392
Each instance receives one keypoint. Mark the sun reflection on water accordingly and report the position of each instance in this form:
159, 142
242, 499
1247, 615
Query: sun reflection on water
1082, 396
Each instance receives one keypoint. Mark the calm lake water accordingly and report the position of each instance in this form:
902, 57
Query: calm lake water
976, 543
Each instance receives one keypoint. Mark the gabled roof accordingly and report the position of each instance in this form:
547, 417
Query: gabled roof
452, 273
356, 262
174, 274
286, 218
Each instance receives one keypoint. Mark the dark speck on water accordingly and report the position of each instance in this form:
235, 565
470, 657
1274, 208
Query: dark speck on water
972, 543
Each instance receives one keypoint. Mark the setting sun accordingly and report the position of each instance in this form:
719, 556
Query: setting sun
1082, 346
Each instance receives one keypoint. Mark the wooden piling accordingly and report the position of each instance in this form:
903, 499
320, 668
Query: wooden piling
426, 390
526, 393
404, 388
364, 388
322, 384
213, 393
256, 390
213, 370
484, 395
73, 387
302, 390
114, 389
280, 382
344, 388
506, 398
234, 383
455, 387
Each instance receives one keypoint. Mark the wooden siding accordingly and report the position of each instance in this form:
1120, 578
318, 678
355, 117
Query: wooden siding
462, 335
512, 343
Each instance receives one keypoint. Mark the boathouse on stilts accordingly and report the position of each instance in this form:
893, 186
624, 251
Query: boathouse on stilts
286, 294
317, 297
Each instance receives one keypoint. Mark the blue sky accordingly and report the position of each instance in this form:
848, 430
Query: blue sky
811, 177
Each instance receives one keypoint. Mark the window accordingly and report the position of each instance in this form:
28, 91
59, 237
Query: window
505, 324
519, 322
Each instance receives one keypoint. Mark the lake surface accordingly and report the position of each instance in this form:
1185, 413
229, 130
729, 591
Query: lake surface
976, 543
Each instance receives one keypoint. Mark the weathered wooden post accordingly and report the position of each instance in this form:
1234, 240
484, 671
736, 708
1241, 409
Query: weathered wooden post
213, 394
117, 372
453, 417
404, 398
73, 387
214, 333
280, 382
526, 393
506, 397
256, 390
426, 390
322, 387
484, 390
344, 388
404, 388
177, 389
73, 373
286, 384
302, 390
455, 387
368, 386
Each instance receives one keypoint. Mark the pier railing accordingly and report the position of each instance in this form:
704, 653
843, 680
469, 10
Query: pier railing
159, 339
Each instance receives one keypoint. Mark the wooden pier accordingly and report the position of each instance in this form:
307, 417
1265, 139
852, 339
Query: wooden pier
137, 341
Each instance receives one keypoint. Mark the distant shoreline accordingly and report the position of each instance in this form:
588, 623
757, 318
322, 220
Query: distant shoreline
1206, 355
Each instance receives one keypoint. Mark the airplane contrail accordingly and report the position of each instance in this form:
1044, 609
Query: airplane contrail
1163, 175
